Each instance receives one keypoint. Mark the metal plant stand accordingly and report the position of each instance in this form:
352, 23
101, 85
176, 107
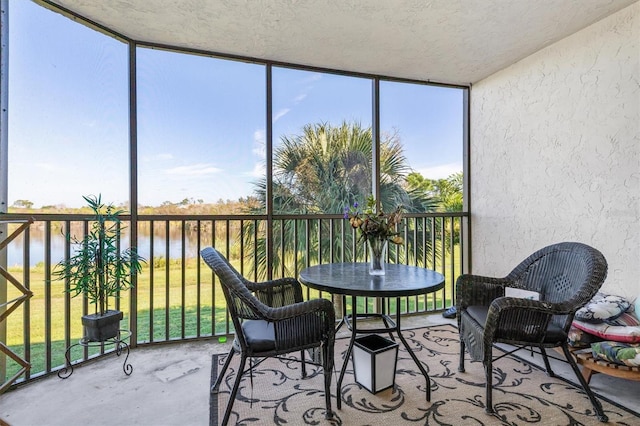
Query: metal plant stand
120, 345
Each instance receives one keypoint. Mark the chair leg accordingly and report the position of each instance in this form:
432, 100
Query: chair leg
462, 349
488, 371
594, 401
234, 391
216, 385
327, 366
327, 392
547, 365
304, 365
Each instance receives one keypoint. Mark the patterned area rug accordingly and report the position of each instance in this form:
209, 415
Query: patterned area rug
522, 394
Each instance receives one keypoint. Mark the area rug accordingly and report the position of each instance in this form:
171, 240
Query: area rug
522, 394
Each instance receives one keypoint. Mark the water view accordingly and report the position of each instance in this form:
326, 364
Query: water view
37, 244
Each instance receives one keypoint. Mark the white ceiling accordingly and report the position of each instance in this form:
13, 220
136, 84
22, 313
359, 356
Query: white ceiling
446, 41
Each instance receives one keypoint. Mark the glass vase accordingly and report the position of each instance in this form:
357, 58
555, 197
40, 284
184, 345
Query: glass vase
377, 255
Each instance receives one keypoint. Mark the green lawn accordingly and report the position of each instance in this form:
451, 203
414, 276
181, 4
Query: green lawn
161, 306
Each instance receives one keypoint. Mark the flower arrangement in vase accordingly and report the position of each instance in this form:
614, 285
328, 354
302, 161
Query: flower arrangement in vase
376, 228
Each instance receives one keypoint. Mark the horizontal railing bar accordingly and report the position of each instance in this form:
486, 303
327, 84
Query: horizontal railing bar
204, 217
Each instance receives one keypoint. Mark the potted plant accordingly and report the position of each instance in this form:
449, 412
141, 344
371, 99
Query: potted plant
99, 269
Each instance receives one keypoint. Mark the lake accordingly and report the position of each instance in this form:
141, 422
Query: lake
37, 244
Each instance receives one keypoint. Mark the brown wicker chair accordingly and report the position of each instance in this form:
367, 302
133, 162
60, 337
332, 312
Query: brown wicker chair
270, 320
566, 275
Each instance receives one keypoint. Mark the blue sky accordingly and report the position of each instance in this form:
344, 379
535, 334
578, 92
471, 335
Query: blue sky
201, 121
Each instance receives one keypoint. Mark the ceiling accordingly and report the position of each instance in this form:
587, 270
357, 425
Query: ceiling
445, 41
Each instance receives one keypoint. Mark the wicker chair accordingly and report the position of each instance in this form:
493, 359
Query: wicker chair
270, 320
566, 275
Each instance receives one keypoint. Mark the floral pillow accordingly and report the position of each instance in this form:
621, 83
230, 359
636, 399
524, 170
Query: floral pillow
618, 353
602, 307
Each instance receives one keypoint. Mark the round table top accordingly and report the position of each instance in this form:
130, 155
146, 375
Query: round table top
354, 279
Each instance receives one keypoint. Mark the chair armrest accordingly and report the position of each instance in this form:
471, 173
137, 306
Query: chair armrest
517, 318
322, 306
303, 324
277, 293
507, 303
478, 290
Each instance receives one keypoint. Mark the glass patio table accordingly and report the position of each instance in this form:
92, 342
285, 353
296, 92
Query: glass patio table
353, 279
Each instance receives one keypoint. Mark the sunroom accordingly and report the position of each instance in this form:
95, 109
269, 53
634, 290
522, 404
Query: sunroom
500, 127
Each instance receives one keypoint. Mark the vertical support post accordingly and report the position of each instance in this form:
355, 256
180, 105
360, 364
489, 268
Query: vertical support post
4, 159
375, 161
269, 147
466, 183
375, 136
133, 190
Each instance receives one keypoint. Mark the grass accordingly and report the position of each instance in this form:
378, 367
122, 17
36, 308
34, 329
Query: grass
183, 303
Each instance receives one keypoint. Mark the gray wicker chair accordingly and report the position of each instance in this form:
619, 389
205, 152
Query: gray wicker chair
566, 275
270, 320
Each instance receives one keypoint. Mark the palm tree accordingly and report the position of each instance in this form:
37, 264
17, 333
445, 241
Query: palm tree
451, 193
447, 192
321, 171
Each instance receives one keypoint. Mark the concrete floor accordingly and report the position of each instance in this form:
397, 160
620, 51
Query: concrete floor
169, 386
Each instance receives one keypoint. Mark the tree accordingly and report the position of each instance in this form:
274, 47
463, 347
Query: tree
447, 192
22, 204
322, 170
451, 193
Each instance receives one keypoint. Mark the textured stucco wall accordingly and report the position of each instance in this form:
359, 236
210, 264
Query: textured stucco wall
555, 152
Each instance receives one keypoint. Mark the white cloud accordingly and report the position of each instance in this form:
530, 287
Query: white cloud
308, 83
441, 171
259, 170
258, 136
193, 170
313, 77
259, 144
281, 113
